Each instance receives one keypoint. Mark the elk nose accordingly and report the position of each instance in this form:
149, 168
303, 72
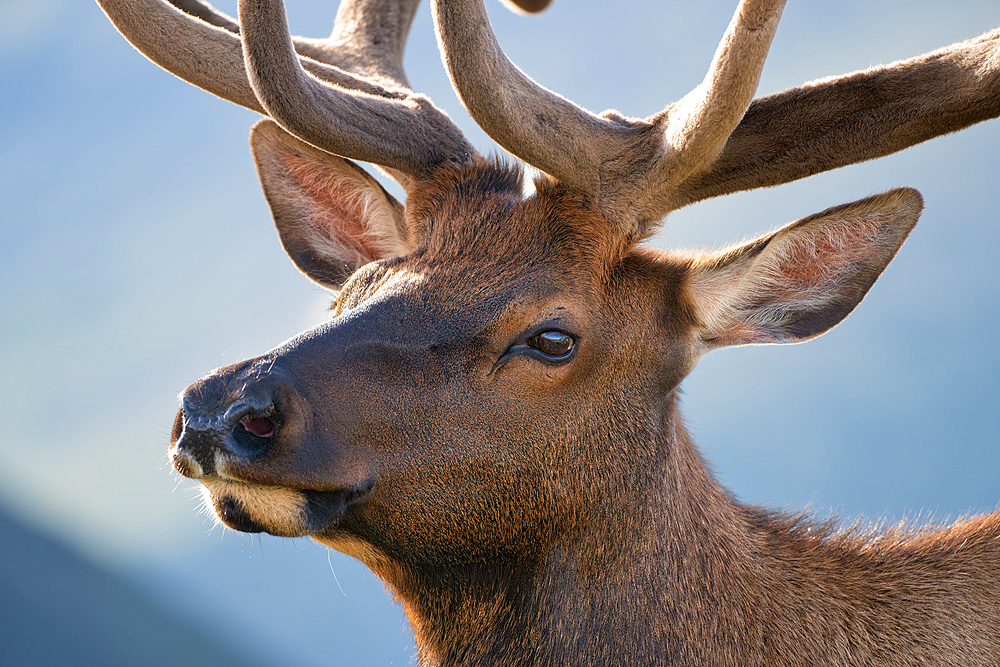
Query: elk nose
224, 414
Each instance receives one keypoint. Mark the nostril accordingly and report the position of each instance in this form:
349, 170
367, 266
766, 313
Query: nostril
262, 427
255, 432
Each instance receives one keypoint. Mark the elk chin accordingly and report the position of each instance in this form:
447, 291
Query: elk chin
279, 510
254, 508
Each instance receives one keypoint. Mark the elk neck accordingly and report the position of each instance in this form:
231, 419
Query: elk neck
656, 553
661, 565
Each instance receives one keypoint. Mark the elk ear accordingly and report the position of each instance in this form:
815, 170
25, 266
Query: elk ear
803, 279
332, 216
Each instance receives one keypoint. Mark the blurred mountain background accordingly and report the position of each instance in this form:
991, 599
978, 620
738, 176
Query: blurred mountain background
58, 608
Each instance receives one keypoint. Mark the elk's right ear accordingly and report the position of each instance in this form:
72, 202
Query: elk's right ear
331, 215
803, 279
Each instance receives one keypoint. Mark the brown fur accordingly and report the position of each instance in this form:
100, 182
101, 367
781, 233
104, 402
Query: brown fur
490, 420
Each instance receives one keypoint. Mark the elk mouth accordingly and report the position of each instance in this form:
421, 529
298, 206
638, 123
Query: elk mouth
279, 510
244, 434
233, 514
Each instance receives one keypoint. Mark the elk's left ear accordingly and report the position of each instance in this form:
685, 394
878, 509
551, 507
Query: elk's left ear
803, 279
331, 215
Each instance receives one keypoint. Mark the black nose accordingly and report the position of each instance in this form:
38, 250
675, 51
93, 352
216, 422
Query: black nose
234, 411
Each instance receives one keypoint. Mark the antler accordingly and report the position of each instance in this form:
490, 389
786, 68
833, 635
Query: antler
346, 94
715, 141
633, 167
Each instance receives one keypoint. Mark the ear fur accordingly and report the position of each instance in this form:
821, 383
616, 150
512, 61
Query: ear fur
803, 279
331, 215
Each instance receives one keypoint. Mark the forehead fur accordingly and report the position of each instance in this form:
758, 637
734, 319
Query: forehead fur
480, 213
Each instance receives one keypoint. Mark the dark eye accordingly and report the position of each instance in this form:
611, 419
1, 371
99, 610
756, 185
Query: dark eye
553, 344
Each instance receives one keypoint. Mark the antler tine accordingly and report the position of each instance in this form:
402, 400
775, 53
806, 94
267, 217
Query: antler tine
406, 133
367, 39
208, 52
633, 167
357, 26
698, 126
842, 120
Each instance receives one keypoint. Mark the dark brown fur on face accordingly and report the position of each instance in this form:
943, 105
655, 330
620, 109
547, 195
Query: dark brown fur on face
490, 420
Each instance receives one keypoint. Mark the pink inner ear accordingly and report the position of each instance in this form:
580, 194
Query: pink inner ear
811, 259
338, 206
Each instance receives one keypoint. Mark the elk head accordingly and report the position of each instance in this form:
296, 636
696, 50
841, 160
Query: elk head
484, 343
498, 376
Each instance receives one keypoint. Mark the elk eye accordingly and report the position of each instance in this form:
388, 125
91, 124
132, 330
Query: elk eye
553, 344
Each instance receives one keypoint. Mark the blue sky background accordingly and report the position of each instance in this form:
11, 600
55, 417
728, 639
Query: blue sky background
138, 254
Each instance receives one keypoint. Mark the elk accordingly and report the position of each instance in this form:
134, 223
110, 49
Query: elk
490, 419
